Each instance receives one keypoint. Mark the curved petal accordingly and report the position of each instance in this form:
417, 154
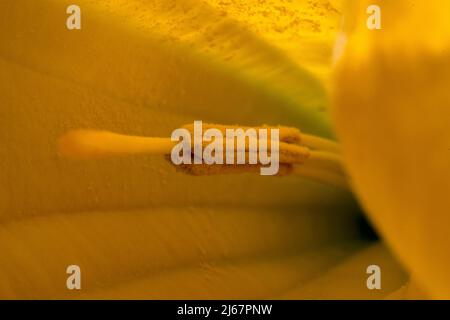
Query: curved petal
392, 114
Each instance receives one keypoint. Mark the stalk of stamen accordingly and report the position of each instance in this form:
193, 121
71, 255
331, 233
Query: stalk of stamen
318, 143
326, 161
321, 175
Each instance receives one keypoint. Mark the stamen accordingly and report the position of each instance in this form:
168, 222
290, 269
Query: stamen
86, 144
300, 154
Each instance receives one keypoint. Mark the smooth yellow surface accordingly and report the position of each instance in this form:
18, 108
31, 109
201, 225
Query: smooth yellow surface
392, 115
347, 280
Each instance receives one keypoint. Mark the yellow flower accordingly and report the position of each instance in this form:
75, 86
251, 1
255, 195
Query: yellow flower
138, 229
